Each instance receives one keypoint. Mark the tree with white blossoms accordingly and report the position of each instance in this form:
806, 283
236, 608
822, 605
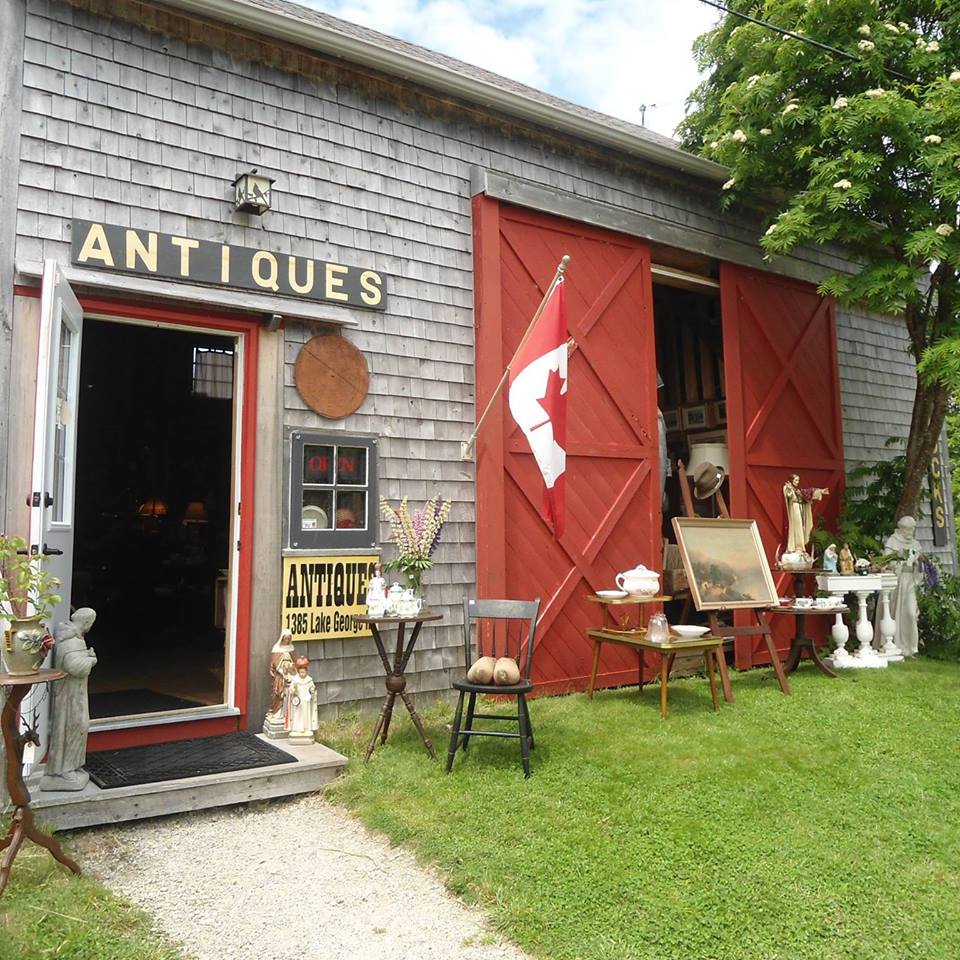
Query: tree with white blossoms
861, 151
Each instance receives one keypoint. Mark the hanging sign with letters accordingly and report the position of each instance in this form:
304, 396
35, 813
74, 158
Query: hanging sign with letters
938, 500
102, 246
322, 595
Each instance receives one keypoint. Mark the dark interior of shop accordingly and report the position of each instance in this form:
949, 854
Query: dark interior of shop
152, 528
689, 343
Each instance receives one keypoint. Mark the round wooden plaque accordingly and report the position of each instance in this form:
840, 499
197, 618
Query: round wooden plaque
331, 375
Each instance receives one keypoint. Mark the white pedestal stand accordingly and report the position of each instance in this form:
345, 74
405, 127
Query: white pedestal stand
838, 585
885, 644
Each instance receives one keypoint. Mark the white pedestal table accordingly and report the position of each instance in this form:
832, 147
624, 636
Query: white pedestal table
839, 585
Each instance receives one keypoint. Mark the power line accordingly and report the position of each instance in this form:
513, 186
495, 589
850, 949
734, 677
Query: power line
799, 36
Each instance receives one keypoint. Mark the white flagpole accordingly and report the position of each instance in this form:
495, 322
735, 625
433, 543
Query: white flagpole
466, 446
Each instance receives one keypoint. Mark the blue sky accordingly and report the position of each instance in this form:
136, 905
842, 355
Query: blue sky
612, 55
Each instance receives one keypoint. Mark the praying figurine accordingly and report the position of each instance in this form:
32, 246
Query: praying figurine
281, 670
302, 710
70, 714
799, 501
830, 558
847, 560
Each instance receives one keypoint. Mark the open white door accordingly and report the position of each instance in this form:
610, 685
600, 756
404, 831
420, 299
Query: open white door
54, 447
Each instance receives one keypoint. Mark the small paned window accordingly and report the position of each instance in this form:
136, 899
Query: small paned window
333, 492
213, 373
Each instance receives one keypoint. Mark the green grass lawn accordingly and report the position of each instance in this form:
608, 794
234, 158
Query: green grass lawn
822, 825
46, 912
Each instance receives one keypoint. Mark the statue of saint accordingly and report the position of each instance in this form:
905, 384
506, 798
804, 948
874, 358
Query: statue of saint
903, 600
847, 560
303, 704
70, 715
281, 669
830, 558
275, 723
799, 501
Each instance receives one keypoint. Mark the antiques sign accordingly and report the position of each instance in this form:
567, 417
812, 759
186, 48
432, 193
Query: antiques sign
148, 253
322, 595
937, 500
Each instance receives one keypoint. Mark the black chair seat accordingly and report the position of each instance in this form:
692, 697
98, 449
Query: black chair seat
524, 686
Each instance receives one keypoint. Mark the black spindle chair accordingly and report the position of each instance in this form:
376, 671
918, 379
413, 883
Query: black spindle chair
504, 628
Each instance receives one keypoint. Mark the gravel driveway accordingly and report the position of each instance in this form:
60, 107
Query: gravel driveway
290, 879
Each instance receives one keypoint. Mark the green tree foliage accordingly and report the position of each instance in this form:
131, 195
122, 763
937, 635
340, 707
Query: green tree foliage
860, 150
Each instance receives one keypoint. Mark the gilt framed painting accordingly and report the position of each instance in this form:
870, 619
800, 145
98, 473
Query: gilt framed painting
725, 563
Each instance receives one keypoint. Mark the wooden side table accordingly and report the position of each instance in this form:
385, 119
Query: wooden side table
710, 646
396, 682
618, 621
623, 628
801, 641
22, 825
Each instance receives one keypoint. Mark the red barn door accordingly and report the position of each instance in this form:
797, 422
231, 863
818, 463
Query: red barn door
612, 480
783, 410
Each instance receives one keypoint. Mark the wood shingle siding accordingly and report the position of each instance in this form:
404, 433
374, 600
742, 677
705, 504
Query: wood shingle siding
148, 127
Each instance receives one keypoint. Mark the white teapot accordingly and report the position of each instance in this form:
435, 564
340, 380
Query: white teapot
640, 582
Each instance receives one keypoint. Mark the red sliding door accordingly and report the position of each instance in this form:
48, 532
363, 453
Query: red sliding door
783, 409
613, 510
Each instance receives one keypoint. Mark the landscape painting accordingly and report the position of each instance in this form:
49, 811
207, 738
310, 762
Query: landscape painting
725, 563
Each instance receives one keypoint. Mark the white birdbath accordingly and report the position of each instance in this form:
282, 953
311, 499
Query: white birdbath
838, 585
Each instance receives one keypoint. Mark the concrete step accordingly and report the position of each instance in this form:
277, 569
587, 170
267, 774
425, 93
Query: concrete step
316, 766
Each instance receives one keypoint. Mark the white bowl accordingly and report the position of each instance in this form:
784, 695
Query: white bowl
688, 631
612, 594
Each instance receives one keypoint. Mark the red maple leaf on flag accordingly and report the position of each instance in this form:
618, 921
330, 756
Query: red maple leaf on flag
551, 401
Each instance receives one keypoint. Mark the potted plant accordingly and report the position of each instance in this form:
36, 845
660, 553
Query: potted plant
26, 601
416, 537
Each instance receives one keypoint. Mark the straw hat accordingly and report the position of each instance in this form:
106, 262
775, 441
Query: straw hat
707, 480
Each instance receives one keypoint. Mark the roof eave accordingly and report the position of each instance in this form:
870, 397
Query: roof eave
316, 37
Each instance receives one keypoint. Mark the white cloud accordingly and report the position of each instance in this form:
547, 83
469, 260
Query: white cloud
612, 55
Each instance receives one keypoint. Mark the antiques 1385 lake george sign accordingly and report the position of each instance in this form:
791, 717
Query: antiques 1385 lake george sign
322, 595
104, 246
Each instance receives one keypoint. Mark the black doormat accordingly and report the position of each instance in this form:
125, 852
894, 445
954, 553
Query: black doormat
185, 758
122, 703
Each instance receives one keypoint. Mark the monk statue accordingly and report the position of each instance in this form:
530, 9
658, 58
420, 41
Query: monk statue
799, 501
70, 713
905, 547
276, 723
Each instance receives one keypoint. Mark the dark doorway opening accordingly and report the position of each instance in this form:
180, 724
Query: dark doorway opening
153, 514
692, 399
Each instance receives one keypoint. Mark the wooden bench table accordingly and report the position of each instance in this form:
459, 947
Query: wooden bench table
711, 647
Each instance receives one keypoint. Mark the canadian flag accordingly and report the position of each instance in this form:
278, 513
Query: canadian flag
538, 402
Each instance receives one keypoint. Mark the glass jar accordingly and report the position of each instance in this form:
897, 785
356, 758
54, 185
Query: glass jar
658, 630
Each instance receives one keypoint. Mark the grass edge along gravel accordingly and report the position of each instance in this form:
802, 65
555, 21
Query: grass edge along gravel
47, 912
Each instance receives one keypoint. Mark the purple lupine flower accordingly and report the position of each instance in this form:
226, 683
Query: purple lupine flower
438, 511
931, 573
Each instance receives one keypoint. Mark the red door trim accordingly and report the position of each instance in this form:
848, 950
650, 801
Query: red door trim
488, 323
249, 330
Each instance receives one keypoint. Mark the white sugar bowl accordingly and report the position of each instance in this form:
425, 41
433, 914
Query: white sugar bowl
394, 600
639, 582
